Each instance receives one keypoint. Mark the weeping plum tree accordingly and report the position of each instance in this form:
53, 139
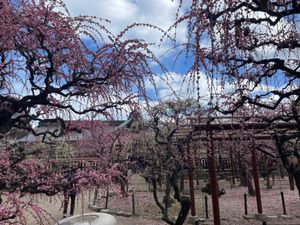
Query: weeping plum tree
109, 146
55, 67
22, 178
58, 65
30, 168
162, 158
251, 50
249, 44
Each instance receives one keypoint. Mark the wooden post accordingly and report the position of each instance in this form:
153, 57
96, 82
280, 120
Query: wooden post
245, 204
133, 201
206, 206
256, 179
191, 183
192, 193
232, 168
213, 177
95, 196
283, 203
106, 199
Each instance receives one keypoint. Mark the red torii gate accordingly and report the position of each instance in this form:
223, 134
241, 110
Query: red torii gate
209, 128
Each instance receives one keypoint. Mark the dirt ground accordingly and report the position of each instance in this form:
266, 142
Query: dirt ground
53, 206
231, 205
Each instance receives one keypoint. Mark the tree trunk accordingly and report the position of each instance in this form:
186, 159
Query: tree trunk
184, 211
182, 182
242, 175
296, 175
184, 201
290, 167
281, 170
251, 190
268, 179
162, 208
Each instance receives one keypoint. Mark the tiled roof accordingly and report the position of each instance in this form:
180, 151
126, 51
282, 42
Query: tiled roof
78, 130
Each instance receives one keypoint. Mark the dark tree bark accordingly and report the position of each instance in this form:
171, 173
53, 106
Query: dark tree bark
184, 201
296, 175
292, 166
182, 182
251, 190
242, 174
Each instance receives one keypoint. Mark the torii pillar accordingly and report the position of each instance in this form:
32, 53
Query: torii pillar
213, 177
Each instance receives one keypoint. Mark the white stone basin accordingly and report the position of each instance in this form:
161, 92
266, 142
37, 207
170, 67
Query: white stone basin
89, 219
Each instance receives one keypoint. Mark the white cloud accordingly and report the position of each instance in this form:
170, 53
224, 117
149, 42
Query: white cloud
122, 13
176, 85
119, 11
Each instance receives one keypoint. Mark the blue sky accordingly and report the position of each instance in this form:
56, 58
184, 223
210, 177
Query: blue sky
160, 13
